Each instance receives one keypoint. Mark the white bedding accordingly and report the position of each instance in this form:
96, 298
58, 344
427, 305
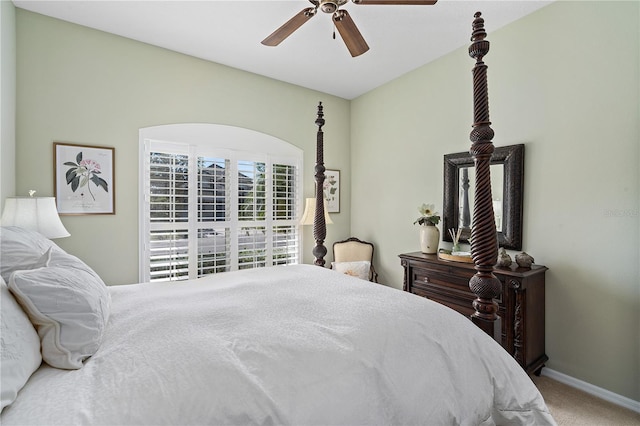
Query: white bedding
298, 345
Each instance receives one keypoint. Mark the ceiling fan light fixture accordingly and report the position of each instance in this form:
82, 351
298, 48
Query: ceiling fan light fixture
330, 6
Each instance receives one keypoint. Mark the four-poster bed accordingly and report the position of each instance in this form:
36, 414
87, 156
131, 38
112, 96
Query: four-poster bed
289, 344
484, 248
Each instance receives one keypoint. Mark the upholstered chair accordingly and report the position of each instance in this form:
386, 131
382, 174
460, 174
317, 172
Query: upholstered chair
354, 257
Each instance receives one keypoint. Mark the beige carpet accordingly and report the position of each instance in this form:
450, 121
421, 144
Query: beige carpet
570, 406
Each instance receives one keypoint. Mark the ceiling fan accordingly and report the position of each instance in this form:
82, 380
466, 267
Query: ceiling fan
341, 19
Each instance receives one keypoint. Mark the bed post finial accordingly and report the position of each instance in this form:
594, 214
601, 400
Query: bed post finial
484, 243
319, 225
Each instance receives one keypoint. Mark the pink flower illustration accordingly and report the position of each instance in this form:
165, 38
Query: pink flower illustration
84, 171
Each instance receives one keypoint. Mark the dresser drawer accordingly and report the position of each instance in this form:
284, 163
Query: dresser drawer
458, 302
456, 297
447, 269
427, 276
446, 283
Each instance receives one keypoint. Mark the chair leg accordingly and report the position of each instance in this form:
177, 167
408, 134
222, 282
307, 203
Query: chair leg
373, 275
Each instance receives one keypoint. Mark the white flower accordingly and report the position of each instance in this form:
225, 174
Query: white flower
429, 215
427, 210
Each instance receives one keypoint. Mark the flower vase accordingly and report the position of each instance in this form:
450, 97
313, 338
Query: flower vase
429, 239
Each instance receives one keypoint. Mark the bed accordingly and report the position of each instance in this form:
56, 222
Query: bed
294, 344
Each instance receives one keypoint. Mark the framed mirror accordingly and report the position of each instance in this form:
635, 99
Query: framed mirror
507, 184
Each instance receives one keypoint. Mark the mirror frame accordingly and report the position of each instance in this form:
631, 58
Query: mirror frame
512, 157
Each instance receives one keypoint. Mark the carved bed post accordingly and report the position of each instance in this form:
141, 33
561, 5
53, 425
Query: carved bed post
484, 244
319, 225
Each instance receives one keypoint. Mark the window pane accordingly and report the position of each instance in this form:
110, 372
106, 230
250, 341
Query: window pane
251, 247
285, 245
169, 260
214, 249
284, 201
251, 190
168, 187
213, 194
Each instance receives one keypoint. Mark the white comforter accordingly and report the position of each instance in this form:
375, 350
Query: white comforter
298, 345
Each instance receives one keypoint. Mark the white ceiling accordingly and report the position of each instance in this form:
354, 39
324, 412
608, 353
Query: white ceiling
401, 38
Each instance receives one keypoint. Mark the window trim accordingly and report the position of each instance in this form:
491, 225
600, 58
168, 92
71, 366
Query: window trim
218, 139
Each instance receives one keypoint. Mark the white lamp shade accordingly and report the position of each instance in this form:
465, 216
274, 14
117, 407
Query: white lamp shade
310, 211
34, 213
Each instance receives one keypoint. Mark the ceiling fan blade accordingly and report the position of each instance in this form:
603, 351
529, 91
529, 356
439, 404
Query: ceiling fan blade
289, 27
415, 2
350, 33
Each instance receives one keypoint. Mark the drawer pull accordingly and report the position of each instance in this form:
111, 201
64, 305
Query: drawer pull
426, 280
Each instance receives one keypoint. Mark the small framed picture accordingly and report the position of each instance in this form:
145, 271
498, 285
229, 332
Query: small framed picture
332, 190
84, 179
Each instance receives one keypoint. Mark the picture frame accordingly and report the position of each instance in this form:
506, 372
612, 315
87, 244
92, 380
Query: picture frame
84, 179
331, 190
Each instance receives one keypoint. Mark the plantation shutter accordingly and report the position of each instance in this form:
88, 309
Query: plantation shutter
214, 216
285, 243
168, 213
208, 211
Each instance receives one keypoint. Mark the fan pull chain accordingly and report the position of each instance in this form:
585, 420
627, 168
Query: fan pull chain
334, 30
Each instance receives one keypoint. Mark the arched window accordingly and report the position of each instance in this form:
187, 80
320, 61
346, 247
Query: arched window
216, 198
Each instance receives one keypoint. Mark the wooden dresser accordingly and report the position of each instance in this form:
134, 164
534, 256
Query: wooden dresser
521, 303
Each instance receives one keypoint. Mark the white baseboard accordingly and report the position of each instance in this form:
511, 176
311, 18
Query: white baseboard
601, 393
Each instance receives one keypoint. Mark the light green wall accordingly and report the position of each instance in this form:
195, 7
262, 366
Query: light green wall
565, 82
7, 100
80, 85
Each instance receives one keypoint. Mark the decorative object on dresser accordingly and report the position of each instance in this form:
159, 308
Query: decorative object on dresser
521, 305
458, 256
429, 233
455, 237
429, 238
524, 260
504, 260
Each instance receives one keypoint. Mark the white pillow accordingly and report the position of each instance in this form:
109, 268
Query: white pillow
21, 249
19, 347
68, 304
358, 269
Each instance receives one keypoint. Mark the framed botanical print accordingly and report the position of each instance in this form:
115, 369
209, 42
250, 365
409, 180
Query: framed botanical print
84, 179
332, 190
